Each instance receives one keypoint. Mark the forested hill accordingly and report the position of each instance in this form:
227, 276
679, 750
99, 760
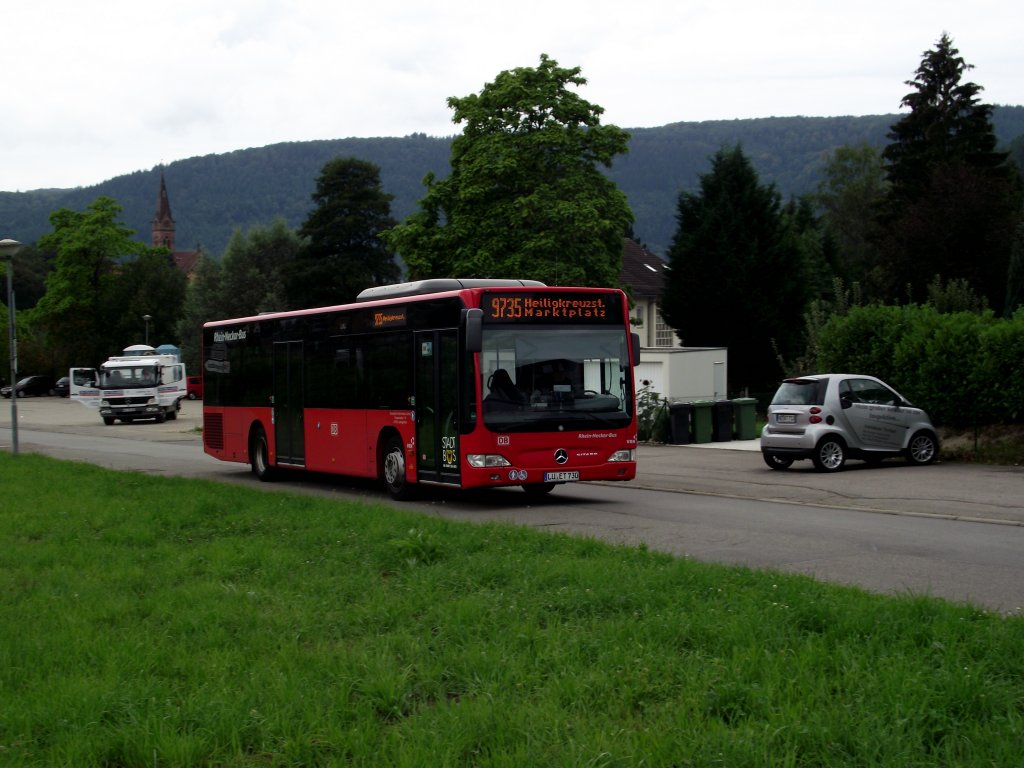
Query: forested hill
211, 196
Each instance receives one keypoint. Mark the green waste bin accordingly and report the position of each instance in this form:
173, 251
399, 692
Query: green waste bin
702, 421
745, 413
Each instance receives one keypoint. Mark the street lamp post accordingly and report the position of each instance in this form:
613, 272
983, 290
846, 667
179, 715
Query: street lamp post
147, 318
8, 249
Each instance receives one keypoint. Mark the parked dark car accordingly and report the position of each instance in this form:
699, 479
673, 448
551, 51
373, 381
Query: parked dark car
31, 385
194, 385
63, 386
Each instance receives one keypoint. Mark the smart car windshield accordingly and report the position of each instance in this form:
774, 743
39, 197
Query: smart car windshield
801, 392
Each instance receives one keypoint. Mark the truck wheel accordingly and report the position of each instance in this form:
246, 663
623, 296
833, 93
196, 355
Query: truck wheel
259, 456
172, 414
109, 420
161, 417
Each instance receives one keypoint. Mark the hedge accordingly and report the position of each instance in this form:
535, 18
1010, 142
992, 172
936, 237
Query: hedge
963, 368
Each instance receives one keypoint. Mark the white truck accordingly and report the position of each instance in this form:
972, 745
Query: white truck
142, 383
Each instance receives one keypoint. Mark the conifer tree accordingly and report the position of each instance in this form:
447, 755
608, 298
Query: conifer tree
953, 200
344, 251
737, 277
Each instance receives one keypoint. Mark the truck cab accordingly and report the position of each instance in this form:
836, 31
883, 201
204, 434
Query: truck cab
139, 384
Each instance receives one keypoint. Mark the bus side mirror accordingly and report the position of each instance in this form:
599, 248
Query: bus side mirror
474, 320
635, 339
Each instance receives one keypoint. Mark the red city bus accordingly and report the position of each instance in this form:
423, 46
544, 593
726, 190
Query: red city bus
462, 383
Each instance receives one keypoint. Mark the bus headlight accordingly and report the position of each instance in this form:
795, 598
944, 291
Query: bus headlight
624, 455
484, 460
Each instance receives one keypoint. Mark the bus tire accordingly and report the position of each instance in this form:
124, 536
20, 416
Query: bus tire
259, 456
392, 469
539, 489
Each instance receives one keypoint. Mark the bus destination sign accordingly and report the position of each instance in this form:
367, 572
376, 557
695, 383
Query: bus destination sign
552, 307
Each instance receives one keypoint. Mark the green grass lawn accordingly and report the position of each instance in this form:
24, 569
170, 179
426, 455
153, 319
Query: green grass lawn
149, 621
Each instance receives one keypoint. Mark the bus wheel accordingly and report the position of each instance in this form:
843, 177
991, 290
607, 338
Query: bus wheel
259, 456
539, 489
393, 470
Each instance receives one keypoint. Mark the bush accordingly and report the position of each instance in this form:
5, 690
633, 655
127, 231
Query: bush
652, 415
1001, 370
862, 341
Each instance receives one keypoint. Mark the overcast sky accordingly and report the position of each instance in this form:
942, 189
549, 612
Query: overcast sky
93, 90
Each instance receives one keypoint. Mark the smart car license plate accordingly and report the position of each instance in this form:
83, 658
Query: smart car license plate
785, 418
560, 477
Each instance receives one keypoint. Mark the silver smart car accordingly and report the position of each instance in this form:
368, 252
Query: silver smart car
829, 418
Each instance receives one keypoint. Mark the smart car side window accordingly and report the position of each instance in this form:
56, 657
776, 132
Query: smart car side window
873, 392
846, 395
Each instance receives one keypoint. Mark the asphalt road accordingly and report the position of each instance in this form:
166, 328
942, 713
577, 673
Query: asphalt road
952, 530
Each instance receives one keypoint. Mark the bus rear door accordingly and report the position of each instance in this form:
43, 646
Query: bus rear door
288, 403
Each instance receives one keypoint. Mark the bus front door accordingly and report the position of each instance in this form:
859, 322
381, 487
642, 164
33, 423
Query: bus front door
437, 399
289, 438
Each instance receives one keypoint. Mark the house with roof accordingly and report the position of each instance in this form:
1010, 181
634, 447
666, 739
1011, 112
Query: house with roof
676, 372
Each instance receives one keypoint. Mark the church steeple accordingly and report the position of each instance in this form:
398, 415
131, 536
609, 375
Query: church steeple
163, 222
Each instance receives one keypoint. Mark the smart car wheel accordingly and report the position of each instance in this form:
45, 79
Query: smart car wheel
922, 449
830, 455
776, 462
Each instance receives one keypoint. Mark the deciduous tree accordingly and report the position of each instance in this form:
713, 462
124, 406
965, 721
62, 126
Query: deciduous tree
852, 187
255, 266
525, 197
75, 314
202, 303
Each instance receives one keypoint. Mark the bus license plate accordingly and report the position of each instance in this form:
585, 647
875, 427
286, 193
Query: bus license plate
560, 477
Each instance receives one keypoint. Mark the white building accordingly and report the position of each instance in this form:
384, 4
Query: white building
677, 373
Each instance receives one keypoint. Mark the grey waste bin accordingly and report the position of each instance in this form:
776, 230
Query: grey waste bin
680, 415
745, 415
701, 421
721, 421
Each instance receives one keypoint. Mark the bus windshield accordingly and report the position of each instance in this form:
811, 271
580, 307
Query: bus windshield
540, 378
